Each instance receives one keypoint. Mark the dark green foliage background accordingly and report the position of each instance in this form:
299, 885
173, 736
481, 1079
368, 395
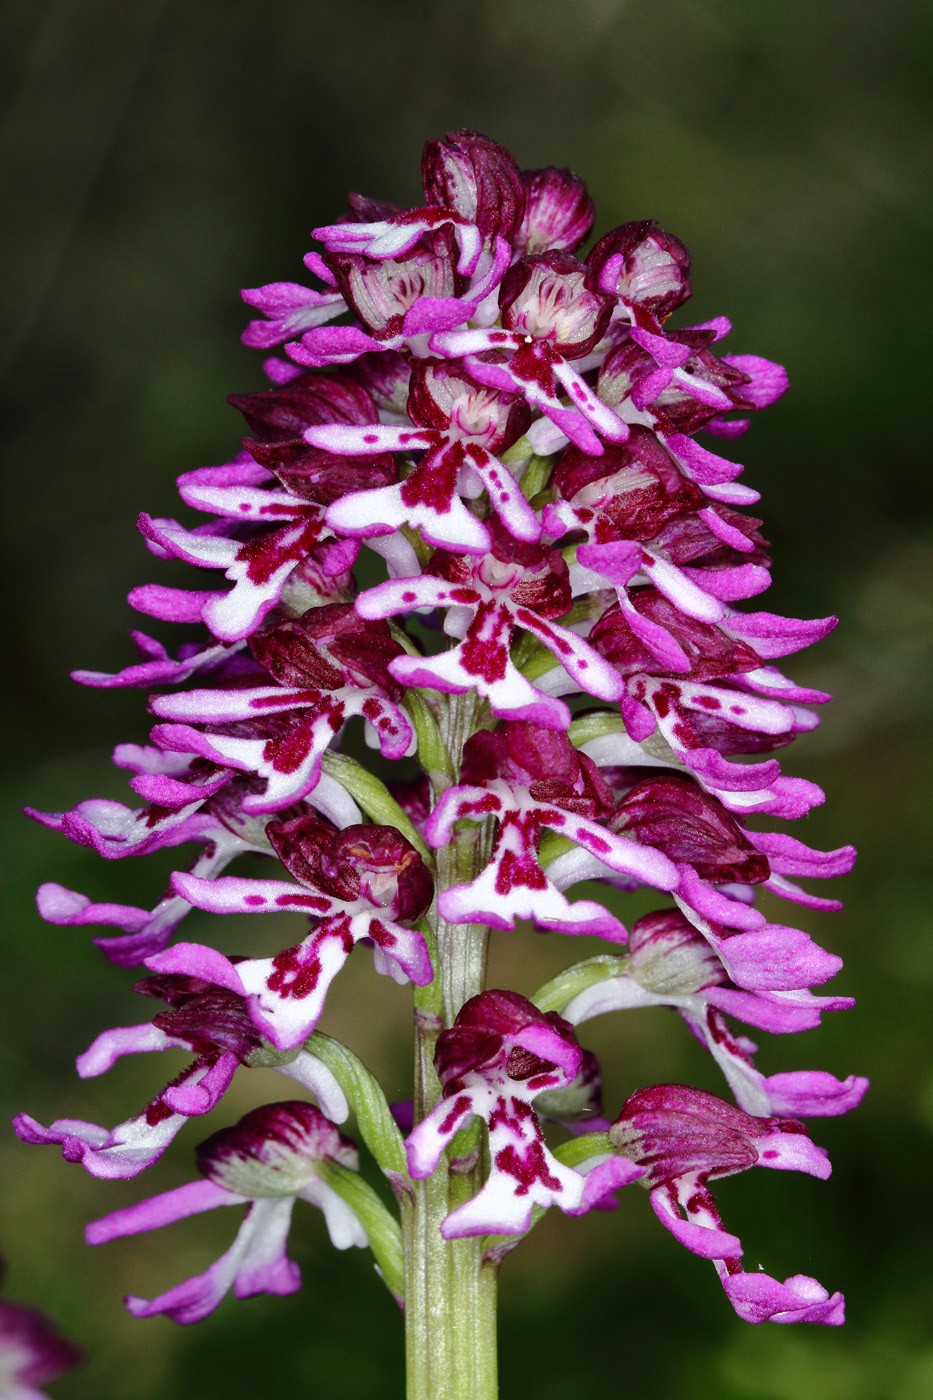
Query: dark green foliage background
157, 155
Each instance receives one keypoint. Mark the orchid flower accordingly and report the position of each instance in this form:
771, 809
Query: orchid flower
270, 1159
357, 883
32, 1351
499, 1055
685, 1138
212, 1022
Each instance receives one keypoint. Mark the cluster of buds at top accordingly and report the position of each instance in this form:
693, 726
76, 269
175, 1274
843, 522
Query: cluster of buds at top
508, 427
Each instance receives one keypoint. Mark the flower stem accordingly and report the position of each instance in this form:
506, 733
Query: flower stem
450, 1294
450, 1298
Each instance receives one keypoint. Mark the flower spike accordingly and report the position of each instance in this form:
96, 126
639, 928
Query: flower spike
470, 529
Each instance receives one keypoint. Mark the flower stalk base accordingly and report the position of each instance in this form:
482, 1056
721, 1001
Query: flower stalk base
450, 1295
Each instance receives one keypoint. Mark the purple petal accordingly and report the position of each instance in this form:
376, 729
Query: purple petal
678, 586
169, 604
286, 993
604, 1178
702, 466
429, 1139
192, 1199
103, 1053
331, 345
290, 309
743, 581
769, 380
706, 1240
115, 1154
592, 672
512, 696
505, 496
58, 905
814, 1093
196, 960
232, 894
791, 857
255, 1263
773, 636
697, 894
759, 1298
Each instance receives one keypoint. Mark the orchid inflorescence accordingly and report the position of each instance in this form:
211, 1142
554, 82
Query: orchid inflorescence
506, 433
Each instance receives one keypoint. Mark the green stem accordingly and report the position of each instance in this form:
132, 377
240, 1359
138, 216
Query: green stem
450, 1294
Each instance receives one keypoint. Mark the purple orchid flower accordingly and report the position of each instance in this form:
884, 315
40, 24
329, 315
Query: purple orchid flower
329, 667
145, 931
357, 883
524, 771
406, 275
711, 848
460, 425
514, 586
268, 1160
249, 495
215, 1024
646, 512
684, 1138
670, 964
258, 567
32, 1351
498, 1056
673, 382
552, 313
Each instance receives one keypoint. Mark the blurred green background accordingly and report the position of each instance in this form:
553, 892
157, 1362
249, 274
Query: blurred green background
157, 155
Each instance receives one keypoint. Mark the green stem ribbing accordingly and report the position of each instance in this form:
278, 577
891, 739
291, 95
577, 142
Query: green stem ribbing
450, 1294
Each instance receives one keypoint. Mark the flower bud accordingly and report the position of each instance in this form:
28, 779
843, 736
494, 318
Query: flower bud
558, 211
670, 958
477, 178
654, 266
